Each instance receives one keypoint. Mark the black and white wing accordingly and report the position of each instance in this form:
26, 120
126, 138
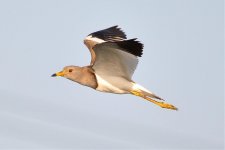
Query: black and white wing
111, 34
112, 54
118, 59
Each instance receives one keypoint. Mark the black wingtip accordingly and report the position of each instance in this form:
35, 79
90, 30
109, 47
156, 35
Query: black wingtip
113, 33
132, 46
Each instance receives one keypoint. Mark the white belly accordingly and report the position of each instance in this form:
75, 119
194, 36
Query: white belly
105, 86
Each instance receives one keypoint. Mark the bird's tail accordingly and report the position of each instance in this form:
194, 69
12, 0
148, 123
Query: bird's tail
144, 93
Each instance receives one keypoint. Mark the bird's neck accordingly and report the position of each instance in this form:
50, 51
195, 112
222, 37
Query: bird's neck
86, 76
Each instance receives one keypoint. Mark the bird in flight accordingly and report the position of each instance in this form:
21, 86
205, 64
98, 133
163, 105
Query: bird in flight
114, 59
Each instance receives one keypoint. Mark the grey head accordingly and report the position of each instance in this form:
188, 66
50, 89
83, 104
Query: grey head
69, 72
82, 75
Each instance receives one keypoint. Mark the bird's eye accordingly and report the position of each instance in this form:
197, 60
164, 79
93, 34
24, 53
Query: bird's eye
70, 70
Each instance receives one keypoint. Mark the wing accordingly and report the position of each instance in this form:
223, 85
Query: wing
118, 58
111, 34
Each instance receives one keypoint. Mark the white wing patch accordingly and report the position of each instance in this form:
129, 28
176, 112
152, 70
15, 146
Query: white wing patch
94, 39
114, 62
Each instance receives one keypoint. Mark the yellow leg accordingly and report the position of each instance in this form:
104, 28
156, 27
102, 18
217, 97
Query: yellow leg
161, 104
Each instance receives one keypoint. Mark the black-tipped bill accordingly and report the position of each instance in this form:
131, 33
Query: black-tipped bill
61, 73
54, 75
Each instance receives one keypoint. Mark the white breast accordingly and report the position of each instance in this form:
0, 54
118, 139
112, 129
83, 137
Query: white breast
106, 86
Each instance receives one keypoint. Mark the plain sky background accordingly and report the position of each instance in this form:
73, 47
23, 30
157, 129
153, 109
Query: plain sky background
183, 62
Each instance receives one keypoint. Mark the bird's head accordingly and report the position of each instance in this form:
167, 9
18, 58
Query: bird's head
69, 72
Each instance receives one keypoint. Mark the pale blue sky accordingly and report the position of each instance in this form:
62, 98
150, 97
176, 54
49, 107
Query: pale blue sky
183, 62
